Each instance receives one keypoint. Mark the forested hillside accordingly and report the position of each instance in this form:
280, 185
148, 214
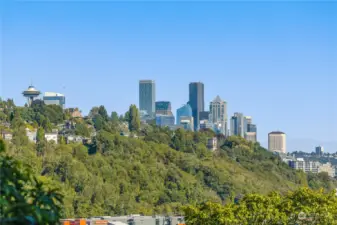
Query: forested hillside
154, 170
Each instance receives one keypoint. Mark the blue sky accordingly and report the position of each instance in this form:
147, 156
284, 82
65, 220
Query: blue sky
276, 62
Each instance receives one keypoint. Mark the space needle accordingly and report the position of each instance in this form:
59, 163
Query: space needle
31, 93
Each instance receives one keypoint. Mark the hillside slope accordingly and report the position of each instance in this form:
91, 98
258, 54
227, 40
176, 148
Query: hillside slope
128, 175
155, 170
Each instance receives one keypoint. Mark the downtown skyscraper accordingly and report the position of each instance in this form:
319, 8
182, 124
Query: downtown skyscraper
237, 125
218, 114
196, 101
147, 96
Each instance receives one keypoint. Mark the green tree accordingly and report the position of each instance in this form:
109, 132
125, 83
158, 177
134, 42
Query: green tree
114, 117
40, 135
19, 130
40, 141
178, 140
303, 206
98, 122
24, 199
133, 118
102, 111
82, 130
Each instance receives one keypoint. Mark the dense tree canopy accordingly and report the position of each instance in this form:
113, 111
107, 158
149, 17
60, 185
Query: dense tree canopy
303, 206
133, 118
25, 199
155, 171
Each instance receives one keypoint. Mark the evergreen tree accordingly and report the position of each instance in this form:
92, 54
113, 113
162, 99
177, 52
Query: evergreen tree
40, 141
114, 117
98, 122
40, 135
104, 114
133, 118
19, 130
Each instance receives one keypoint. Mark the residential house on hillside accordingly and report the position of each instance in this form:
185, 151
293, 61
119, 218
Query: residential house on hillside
74, 139
51, 137
31, 134
6, 135
75, 113
5, 124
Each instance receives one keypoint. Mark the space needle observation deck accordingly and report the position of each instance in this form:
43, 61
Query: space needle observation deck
31, 93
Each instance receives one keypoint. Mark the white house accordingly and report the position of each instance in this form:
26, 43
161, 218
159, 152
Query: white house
51, 137
31, 135
6, 135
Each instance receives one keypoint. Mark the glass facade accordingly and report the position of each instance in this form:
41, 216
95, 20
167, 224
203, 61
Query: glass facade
185, 110
196, 101
55, 100
251, 128
163, 108
164, 120
147, 96
237, 125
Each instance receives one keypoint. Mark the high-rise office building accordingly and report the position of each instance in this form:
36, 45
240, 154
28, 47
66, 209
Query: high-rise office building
163, 108
206, 124
277, 142
247, 120
250, 136
218, 114
164, 120
204, 115
237, 125
184, 110
147, 96
52, 98
196, 101
250, 129
319, 150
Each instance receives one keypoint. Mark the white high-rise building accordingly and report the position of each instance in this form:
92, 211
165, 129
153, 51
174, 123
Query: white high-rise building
277, 142
218, 114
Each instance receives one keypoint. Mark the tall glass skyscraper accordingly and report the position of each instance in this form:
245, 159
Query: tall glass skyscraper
237, 125
147, 96
184, 111
196, 101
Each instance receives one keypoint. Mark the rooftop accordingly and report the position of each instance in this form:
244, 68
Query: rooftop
31, 90
217, 99
276, 132
146, 81
52, 94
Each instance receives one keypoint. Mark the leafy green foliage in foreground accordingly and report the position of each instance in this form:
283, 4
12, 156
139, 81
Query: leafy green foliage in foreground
25, 199
303, 206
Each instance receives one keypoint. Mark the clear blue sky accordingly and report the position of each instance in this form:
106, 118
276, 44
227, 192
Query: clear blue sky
276, 62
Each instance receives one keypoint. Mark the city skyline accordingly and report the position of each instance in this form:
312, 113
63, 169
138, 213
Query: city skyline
275, 63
